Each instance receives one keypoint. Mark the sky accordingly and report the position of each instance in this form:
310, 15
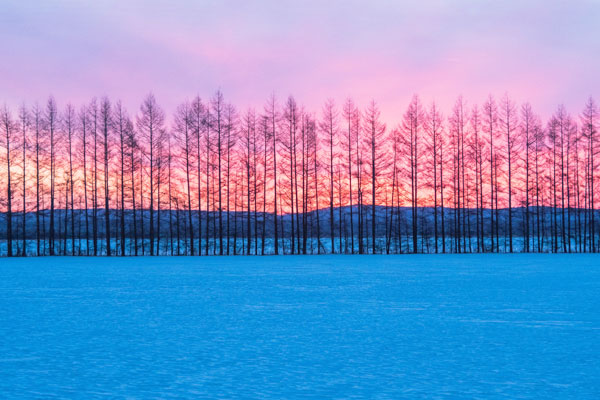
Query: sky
544, 52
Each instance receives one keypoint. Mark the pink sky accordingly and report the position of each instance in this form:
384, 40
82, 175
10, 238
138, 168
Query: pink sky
545, 52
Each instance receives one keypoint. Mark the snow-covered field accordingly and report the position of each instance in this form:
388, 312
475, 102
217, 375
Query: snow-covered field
447, 326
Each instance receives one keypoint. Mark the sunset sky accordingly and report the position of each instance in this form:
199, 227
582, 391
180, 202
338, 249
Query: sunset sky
546, 52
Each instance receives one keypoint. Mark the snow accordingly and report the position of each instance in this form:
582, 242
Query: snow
447, 326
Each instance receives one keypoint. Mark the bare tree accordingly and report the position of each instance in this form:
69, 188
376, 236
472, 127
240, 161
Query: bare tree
490, 121
150, 123
230, 130
51, 122
411, 129
69, 129
185, 134
272, 116
348, 143
528, 121
375, 135
329, 127
200, 125
433, 129
509, 123
38, 123
9, 127
123, 126
84, 128
589, 123
24, 122
248, 139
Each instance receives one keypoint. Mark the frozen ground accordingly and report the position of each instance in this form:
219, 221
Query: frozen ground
452, 326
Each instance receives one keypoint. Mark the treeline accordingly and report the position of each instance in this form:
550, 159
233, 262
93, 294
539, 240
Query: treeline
282, 180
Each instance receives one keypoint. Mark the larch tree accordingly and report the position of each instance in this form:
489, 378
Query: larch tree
348, 142
218, 110
69, 121
434, 130
38, 127
273, 117
589, 122
150, 124
477, 144
84, 126
329, 126
199, 120
231, 134
24, 125
51, 124
184, 133
411, 129
509, 123
106, 120
375, 132
289, 131
490, 128
528, 122
94, 116
9, 129
122, 125
248, 138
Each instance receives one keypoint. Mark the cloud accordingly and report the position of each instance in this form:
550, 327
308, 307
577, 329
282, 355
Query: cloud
544, 52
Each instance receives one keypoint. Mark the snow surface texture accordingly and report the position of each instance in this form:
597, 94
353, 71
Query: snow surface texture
449, 326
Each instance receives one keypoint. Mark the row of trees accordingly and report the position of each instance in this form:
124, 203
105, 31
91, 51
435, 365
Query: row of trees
490, 178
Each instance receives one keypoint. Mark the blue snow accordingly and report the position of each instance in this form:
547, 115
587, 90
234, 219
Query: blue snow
422, 326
